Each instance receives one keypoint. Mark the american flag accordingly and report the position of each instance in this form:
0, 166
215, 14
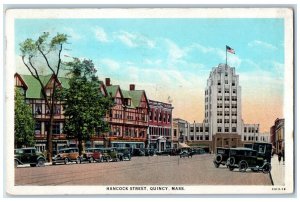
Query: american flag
230, 50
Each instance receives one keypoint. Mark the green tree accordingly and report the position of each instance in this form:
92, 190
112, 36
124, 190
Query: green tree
24, 122
85, 106
48, 50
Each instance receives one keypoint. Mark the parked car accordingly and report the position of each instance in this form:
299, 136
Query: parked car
149, 151
198, 151
258, 159
91, 155
186, 153
138, 152
29, 156
67, 155
124, 153
221, 156
111, 154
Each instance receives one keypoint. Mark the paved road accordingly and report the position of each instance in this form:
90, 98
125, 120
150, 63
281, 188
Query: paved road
156, 170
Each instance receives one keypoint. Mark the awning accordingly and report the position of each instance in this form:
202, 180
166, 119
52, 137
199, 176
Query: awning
183, 145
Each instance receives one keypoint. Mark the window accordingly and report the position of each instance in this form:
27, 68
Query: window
206, 129
234, 98
219, 121
226, 90
219, 129
206, 137
233, 129
226, 74
245, 130
192, 129
150, 116
233, 121
57, 109
245, 138
219, 90
226, 129
201, 129
38, 127
219, 82
227, 106
38, 108
197, 129
220, 113
201, 138
234, 106
234, 114
234, 91
226, 98
219, 105
226, 120
192, 138
56, 128
226, 81
226, 113
233, 83
219, 98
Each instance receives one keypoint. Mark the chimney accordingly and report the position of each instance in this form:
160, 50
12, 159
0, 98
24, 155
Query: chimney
107, 81
131, 87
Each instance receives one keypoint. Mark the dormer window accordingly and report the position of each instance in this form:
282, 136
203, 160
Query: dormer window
127, 101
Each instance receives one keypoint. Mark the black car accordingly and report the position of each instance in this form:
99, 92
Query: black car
124, 153
137, 152
29, 156
221, 157
258, 159
186, 153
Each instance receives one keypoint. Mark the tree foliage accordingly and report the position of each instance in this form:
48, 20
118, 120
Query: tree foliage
85, 106
24, 122
49, 51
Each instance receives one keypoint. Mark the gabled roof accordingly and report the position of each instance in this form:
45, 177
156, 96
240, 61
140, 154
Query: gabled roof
112, 90
34, 87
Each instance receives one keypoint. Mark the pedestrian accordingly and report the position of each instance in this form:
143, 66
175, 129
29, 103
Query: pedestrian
279, 156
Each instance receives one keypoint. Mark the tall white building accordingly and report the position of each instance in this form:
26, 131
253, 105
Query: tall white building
223, 101
223, 125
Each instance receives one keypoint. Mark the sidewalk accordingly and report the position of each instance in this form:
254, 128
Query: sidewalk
277, 171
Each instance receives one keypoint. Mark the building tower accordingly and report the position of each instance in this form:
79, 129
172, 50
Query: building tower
223, 104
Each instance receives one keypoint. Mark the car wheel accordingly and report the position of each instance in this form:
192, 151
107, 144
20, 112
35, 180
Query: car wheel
243, 165
78, 160
66, 161
231, 161
53, 163
266, 168
32, 165
41, 163
218, 158
231, 168
91, 160
101, 160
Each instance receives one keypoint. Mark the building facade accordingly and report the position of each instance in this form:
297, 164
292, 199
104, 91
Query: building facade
32, 91
160, 125
277, 135
223, 125
128, 118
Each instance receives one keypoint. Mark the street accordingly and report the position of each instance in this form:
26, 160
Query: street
154, 170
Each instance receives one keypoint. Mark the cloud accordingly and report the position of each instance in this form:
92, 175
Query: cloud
174, 51
101, 35
257, 43
110, 64
134, 40
71, 32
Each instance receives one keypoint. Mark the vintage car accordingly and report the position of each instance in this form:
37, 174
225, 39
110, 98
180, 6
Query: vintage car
111, 154
92, 155
258, 159
66, 155
186, 153
221, 157
124, 153
29, 156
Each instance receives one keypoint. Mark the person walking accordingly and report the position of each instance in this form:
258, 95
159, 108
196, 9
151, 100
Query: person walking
279, 156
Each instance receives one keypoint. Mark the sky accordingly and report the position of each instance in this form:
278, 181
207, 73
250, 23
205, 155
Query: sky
171, 58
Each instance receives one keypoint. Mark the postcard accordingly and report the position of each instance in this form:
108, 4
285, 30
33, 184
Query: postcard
149, 101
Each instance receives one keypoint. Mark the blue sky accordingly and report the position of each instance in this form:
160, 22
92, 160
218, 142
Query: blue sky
173, 57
